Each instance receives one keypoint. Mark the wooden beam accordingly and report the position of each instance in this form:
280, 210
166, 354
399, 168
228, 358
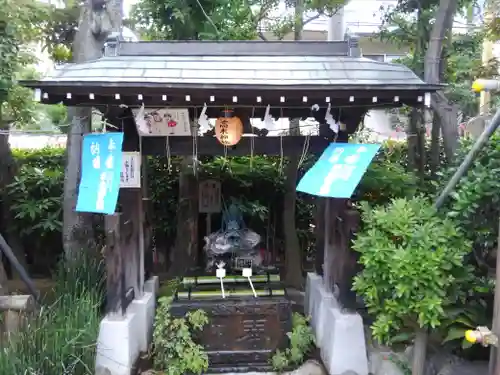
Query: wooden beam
24, 303
182, 146
294, 98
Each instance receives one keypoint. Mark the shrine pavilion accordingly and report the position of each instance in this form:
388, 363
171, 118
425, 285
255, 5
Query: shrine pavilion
253, 80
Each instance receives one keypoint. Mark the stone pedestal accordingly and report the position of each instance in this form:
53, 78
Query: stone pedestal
242, 333
339, 335
123, 338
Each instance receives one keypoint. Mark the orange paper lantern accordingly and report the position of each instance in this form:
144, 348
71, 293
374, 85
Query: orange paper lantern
228, 129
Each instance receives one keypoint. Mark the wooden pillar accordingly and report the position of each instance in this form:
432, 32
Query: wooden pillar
122, 254
320, 233
327, 250
140, 248
131, 202
147, 222
114, 266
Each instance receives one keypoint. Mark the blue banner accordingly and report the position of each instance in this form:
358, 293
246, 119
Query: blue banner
101, 168
339, 170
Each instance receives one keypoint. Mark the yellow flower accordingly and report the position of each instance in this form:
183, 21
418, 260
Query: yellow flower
471, 336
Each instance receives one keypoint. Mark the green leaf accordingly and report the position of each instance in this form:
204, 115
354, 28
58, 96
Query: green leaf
454, 333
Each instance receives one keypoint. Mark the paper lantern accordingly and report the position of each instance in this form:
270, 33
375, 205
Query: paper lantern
228, 129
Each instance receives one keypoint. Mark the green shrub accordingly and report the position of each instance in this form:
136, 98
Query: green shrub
174, 350
413, 267
301, 341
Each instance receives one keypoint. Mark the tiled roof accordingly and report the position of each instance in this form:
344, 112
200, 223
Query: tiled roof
250, 63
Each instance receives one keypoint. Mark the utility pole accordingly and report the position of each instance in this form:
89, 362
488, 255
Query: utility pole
336, 27
487, 56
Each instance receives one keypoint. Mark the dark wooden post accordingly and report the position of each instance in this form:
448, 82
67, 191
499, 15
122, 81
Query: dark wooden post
131, 202
331, 250
327, 251
114, 265
320, 233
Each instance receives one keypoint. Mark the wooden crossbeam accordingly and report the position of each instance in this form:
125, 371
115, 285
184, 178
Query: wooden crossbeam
182, 146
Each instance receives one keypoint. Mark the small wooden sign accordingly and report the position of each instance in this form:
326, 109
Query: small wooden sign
209, 199
164, 122
130, 176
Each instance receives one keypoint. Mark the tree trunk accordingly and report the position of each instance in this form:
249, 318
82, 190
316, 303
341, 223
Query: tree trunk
435, 145
446, 111
299, 20
78, 231
93, 28
419, 352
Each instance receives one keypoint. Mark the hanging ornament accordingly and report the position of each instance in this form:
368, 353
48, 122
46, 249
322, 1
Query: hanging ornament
203, 120
228, 129
268, 119
330, 120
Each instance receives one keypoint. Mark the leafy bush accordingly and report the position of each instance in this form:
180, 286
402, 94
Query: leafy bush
61, 338
174, 351
474, 203
301, 342
36, 205
413, 267
473, 206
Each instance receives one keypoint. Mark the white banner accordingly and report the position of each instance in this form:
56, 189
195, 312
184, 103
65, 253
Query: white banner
162, 122
130, 176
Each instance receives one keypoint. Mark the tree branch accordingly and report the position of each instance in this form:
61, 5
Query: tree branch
315, 17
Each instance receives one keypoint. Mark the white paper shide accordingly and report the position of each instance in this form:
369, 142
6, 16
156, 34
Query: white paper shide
130, 176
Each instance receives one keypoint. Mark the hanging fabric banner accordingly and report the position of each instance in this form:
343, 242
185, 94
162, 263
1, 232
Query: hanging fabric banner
339, 170
101, 168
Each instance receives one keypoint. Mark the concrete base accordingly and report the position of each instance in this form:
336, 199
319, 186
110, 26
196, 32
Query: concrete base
123, 338
152, 285
340, 336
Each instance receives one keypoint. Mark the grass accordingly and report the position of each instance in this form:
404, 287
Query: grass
61, 338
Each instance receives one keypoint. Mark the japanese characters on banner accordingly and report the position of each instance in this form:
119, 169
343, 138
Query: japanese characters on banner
130, 176
101, 168
339, 170
162, 121
209, 199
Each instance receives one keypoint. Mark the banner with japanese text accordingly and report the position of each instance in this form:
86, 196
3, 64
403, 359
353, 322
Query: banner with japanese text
339, 170
101, 168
